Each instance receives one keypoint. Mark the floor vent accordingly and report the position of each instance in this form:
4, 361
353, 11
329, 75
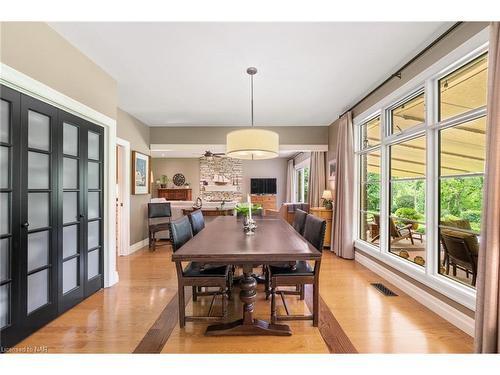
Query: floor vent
384, 290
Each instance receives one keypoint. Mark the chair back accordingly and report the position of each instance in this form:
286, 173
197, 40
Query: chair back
394, 231
181, 232
299, 221
159, 210
456, 245
314, 231
197, 221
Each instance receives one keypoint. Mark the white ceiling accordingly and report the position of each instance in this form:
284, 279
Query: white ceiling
194, 73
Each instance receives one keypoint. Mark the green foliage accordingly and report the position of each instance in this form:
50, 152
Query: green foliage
405, 201
460, 198
474, 216
244, 208
407, 213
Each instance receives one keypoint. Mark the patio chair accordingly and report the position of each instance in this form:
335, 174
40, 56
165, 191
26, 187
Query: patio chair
461, 251
399, 233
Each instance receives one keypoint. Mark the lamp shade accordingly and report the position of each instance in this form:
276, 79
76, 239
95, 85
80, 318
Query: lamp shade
252, 144
327, 194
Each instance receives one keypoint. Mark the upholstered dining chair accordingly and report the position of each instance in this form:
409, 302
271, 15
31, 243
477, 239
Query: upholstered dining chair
299, 221
302, 274
157, 211
195, 275
197, 221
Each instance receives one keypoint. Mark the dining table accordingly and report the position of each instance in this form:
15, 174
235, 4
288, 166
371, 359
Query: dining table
223, 242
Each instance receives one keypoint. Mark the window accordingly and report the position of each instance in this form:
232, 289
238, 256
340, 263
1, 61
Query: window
302, 184
429, 141
370, 133
464, 89
408, 114
407, 200
462, 153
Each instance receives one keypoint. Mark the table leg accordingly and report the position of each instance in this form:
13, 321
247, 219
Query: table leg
248, 326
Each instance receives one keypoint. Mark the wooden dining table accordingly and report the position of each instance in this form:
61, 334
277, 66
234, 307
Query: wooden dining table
224, 242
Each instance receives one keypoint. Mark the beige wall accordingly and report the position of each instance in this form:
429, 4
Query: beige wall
289, 135
137, 133
272, 168
189, 167
36, 50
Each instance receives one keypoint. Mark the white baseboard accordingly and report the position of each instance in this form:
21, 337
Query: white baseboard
137, 246
452, 315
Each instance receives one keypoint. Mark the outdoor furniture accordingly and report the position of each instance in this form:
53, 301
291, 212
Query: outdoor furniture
157, 211
196, 276
400, 233
461, 251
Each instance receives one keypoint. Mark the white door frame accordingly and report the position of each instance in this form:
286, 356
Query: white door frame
21, 82
125, 218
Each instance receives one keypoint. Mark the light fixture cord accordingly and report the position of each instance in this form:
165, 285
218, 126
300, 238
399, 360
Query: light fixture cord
251, 80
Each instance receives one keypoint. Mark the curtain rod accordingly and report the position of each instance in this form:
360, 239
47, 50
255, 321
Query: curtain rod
399, 71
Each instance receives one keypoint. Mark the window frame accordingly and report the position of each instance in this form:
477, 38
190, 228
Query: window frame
428, 81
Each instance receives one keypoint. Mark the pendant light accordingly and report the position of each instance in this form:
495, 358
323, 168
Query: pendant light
252, 143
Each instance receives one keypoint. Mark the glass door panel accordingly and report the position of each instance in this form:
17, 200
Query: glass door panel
9, 282
94, 206
38, 148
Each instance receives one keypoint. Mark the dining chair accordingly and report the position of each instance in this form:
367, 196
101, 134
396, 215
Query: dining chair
299, 221
157, 211
303, 274
197, 221
195, 275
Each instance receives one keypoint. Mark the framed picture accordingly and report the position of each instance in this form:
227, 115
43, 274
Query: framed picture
141, 170
332, 169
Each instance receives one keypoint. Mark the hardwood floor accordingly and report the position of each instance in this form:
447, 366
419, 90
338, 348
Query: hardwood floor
129, 316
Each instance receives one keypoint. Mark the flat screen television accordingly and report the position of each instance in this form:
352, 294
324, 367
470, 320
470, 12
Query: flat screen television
263, 186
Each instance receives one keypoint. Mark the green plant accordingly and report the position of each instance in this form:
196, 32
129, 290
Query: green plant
405, 201
164, 179
408, 213
244, 208
474, 216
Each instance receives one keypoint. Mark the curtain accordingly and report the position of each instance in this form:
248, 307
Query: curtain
316, 178
487, 336
343, 237
290, 172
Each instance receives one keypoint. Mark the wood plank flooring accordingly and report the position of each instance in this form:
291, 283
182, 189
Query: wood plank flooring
139, 314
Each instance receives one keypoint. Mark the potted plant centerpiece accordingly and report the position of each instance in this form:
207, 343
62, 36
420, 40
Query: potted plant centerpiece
246, 210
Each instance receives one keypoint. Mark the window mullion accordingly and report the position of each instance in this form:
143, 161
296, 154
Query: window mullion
384, 186
431, 186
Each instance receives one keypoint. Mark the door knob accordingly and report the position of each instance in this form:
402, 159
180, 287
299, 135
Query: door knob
25, 224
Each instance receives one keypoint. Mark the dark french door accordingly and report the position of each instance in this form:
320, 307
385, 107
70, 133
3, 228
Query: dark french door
51, 202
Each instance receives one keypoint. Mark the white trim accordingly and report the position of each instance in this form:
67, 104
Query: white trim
21, 82
137, 246
125, 230
452, 315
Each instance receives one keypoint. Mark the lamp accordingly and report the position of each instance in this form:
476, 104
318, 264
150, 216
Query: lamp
252, 144
327, 199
